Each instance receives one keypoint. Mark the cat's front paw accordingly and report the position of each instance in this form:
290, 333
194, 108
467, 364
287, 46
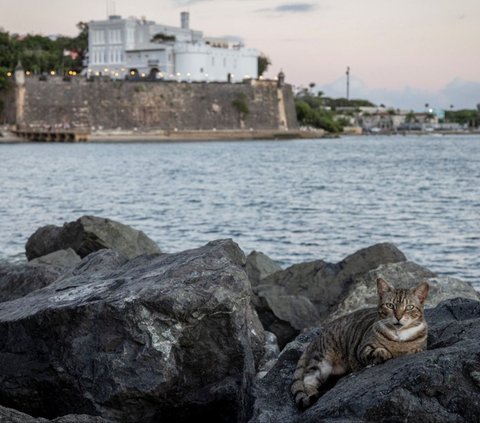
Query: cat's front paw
379, 356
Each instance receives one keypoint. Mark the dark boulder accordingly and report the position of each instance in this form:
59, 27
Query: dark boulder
259, 266
8, 415
19, 279
441, 384
303, 294
63, 259
89, 234
169, 338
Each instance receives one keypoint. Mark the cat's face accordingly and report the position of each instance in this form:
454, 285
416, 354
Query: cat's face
401, 308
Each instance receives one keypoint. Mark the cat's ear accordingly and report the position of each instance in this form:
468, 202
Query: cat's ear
383, 287
421, 292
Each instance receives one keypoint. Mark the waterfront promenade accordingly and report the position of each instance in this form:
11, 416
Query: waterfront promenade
164, 136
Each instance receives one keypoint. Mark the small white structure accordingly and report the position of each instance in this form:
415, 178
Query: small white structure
137, 48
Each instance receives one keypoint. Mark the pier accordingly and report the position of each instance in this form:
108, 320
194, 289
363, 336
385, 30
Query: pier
53, 134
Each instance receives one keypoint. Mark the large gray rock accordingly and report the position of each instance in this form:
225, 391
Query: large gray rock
441, 384
169, 338
63, 259
8, 415
302, 295
89, 234
18, 280
402, 275
259, 266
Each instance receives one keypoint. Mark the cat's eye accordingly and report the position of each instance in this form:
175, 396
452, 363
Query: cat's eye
389, 305
410, 307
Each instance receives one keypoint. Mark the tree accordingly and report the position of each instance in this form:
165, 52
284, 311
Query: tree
162, 38
343, 102
263, 64
4, 80
310, 112
8, 51
410, 117
465, 117
38, 53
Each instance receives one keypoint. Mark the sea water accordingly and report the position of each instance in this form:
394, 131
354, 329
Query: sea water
296, 201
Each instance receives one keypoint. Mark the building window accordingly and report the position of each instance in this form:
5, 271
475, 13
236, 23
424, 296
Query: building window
130, 35
224, 62
213, 61
115, 36
98, 37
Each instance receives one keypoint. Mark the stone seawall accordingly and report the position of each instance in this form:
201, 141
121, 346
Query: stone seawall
147, 106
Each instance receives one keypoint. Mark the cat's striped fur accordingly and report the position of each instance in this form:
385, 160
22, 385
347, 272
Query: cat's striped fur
370, 336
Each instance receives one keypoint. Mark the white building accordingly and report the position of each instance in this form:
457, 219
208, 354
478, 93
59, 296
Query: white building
138, 48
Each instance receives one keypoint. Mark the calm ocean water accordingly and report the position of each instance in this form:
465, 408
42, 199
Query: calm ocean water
293, 200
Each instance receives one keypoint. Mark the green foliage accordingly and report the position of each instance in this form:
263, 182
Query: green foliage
4, 79
240, 103
343, 121
311, 113
263, 64
411, 117
8, 51
320, 112
343, 102
41, 54
470, 117
162, 38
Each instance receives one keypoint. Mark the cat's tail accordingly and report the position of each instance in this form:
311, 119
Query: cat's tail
302, 399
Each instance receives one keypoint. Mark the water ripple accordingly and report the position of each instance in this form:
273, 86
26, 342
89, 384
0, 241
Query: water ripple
294, 200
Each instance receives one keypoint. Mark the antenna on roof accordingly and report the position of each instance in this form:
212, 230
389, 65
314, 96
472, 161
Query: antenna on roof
110, 4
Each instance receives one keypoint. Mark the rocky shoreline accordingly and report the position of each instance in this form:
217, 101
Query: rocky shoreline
101, 326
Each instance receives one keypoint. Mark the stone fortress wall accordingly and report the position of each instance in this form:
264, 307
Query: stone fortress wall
104, 105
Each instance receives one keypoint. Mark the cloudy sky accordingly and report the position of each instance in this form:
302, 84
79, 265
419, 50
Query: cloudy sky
403, 53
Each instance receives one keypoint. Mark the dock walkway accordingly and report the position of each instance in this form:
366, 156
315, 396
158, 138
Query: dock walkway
52, 134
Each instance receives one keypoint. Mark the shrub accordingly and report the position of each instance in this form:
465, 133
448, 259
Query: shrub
240, 103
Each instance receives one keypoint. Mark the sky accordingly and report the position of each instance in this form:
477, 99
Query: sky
402, 53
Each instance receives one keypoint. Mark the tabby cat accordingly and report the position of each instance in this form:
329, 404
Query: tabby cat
365, 337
